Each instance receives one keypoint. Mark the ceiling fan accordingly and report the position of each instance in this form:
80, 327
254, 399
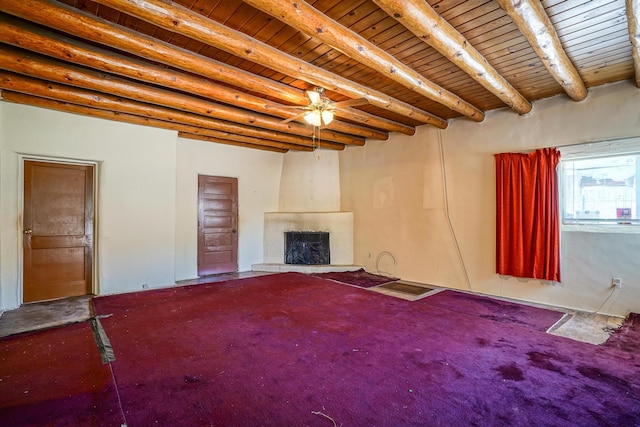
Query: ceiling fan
321, 109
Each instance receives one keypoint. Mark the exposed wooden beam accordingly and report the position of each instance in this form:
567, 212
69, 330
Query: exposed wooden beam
189, 122
186, 135
534, 23
304, 17
228, 142
21, 34
183, 21
420, 18
224, 141
226, 136
633, 11
37, 66
83, 25
20, 98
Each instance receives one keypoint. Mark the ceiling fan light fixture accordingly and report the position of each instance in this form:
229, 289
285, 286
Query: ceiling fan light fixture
314, 118
327, 116
321, 111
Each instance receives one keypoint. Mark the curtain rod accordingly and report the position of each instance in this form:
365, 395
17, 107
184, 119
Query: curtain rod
582, 144
600, 141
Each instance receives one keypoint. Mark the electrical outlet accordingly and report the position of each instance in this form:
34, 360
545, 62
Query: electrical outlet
616, 282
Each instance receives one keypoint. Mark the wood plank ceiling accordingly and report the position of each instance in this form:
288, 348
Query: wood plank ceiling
225, 71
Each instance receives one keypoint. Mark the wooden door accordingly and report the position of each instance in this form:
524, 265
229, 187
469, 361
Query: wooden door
58, 230
217, 225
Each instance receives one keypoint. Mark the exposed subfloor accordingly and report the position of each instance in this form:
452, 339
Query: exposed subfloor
586, 327
47, 314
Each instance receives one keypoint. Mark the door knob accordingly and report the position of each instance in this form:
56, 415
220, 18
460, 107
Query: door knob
234, 231
28, 231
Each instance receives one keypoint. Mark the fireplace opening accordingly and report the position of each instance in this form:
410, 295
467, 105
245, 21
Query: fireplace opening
307, 247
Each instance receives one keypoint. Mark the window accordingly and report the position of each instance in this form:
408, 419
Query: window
601, 189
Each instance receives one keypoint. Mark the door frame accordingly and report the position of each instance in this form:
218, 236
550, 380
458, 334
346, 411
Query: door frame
95, 285
237, 219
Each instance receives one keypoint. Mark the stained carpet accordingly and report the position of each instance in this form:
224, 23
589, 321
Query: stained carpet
295, 350
56, 378
488, 308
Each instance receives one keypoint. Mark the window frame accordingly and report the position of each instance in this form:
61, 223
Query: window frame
594, 150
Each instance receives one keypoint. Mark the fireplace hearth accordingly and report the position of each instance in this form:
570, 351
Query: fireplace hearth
307, 248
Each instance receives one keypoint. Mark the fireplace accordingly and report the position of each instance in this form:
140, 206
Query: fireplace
307, 248
337, 225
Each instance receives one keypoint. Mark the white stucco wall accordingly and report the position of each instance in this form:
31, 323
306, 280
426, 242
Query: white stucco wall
135, 226
396, 192
310, 182
258, 174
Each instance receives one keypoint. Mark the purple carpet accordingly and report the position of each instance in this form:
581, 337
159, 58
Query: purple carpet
358, 278
494, 309
56, 378
294, 350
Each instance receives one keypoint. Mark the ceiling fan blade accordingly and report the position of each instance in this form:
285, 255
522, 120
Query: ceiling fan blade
314, 96
296, 117
352, 102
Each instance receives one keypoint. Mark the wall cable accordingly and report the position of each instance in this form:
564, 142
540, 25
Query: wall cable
446, 209
384, 273
613, 289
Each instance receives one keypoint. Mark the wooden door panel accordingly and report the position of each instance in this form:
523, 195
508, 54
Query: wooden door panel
212, 222
225, 205
41, 242
58, 235
54, 208
219, 257
217, 225
213, 185
57, 265
218, 239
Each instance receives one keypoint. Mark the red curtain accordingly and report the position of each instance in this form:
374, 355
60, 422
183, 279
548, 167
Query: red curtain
527, 220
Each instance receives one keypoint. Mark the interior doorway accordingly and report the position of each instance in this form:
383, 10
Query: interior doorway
217, 225
58, 230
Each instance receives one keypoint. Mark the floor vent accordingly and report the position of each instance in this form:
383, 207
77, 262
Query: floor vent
408, 291
406, 288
